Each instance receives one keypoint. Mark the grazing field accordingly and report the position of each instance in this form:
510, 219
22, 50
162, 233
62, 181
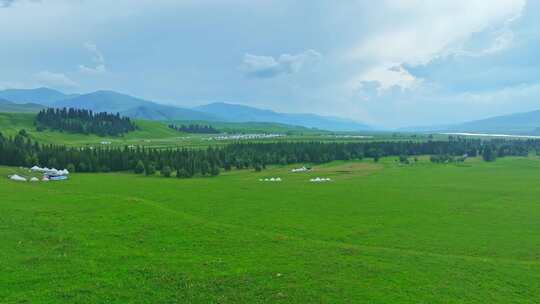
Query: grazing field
156, 134
378, 233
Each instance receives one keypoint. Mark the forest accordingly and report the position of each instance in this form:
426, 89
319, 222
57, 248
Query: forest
83, 122
20, 150
195, 129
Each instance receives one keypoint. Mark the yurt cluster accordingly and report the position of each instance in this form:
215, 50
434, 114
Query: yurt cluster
320, 180
47, 174
271, 179
298, 170
313, 180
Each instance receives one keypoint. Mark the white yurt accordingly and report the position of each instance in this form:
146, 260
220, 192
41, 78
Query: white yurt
17, 178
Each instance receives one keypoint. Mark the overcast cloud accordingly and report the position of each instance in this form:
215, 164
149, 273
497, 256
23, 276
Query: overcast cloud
388, 63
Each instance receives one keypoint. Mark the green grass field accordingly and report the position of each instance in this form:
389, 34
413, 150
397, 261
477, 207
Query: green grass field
378, 233
156, 134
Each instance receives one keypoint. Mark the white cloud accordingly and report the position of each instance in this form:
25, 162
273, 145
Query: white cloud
56, 80
97, 58
100, 69
426, 30
268, 66
387, 76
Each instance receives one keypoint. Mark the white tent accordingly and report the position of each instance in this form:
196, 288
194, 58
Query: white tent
271, 179
319, 180
17, 178
34, 179
54, 171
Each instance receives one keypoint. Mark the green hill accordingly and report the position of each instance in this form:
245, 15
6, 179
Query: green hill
11, 123
252, 127
149, 133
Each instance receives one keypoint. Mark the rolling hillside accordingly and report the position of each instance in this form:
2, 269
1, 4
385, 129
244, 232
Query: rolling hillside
149, 131
253, 127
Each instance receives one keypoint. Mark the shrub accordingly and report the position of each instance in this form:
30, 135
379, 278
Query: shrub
149, 169
70, 168
182, 173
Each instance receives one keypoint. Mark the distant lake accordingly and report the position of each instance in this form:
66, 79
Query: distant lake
492, 135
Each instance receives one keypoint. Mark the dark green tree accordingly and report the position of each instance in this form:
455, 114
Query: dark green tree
166, 171
139, 168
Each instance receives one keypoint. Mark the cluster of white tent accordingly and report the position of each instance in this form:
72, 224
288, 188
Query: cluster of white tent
19, 178
243, 136
320, 180
272, 179
48, 174
313, 180
48, 171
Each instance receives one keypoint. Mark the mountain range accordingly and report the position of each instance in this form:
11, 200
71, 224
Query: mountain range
11, 107
527, 123
33, 100
113, 102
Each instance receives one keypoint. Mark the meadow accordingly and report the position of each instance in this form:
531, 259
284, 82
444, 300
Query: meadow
156, 134
378, 233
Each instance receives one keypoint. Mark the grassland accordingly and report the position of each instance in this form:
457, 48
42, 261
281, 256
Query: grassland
378, 233
156, 134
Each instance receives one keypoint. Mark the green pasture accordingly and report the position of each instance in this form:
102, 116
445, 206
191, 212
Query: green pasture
377, 233
157, 134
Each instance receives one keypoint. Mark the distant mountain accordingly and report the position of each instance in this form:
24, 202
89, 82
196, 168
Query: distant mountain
42, 96
527, 123
164, 112
113, 102
240, 113
7, 106
102, 101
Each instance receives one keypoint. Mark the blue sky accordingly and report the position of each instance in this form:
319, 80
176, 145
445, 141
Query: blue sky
389, 63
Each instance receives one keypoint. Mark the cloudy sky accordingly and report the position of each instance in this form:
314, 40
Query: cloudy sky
389, 63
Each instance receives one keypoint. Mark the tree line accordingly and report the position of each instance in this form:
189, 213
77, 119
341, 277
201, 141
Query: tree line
195, 128
20, 150
83, 122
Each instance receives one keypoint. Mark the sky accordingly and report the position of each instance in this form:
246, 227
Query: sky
388, 63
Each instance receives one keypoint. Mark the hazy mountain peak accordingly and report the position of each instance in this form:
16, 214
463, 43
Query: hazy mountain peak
111, 101
42, 95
